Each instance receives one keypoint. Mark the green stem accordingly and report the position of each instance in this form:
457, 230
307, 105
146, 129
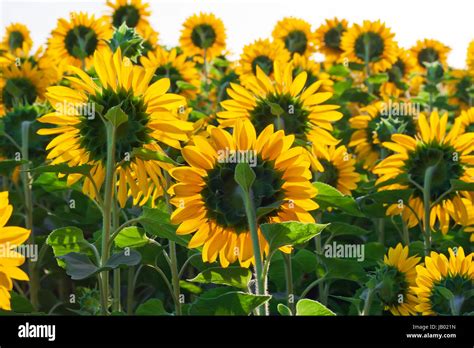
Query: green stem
366, 60
368, 302
290, 297
406, 235
319, 251
427, 207
312, 285
130, 289
116, 305
381, 230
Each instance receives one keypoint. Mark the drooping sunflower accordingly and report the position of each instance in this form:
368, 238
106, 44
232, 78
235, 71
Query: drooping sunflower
284, 103
470, 58
208, 199
339, 169
176, 68
398, 75
17, 39
296, 35
74, 42
450, 153
313, 70
80, 133
375, 124
203, 35
455, 274
372, 42
262, 53
430, 51
328, 38
398, 276
134, 13
10, 260
21, 84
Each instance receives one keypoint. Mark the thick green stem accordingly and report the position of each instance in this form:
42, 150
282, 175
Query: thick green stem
116, 305
427, 208
130, 289
28, 196
319, 251
290, 297
368, 302
381, 230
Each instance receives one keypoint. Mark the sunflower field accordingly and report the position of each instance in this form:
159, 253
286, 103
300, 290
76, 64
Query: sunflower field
322, 171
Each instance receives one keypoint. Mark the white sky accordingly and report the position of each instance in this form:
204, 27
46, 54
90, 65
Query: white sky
246, 20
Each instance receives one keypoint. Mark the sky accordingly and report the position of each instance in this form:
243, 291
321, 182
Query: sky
248, 20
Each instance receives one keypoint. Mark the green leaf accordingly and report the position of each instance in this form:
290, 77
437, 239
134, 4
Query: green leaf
375, 204
262, 211
116, 116
149, 155
339, 70
78, 266
232, 276
459, 185
343, 229
312, 308
378, 79
64, 169
445, 292
343, 269
8, 166
284, 310
153, 306
20, 304
50, 182
125, 258
230, 303
157, 223
290, 233
183, 85
66, 240
132, 237
2, 128
328, 196
275, 108
244, 176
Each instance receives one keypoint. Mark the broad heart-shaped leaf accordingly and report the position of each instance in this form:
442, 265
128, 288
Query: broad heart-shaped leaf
157, 223
230, 303
376, 204
149, 155
78, 266
132, 237
128, 257
328, 196
116, 116
284, 310
8, 166
244, 176
232, 276
153, 306
459, 185
347, 269
63, 169
310, 307
66, 240
289, 233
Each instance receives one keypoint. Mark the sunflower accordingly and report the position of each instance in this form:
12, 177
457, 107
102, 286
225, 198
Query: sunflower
262, 53
20, 85
429, 51
449, 153
208, 199
339, 169
375, 124
150, 37
328, 38
284, 103
470, 57
313, 70
466, 119
397, 277
80, 132
203, 35
134, 13
74, 42
176, 68
459, 88
470, 213
371, 42
398, 75
17, 39
439, 273
10, 260
296, 35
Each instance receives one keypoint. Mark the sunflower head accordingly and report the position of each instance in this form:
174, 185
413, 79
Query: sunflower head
11, 238
134, 13
17, 39
208, 199
313, 70
448, 153
328, 38
74, 41
398, 75
461, 89
444, 286
153, 123
395, 279
261, 53
466, 119
370, 43
470, 57
296, 35
203, 35
182, 73
429, 51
